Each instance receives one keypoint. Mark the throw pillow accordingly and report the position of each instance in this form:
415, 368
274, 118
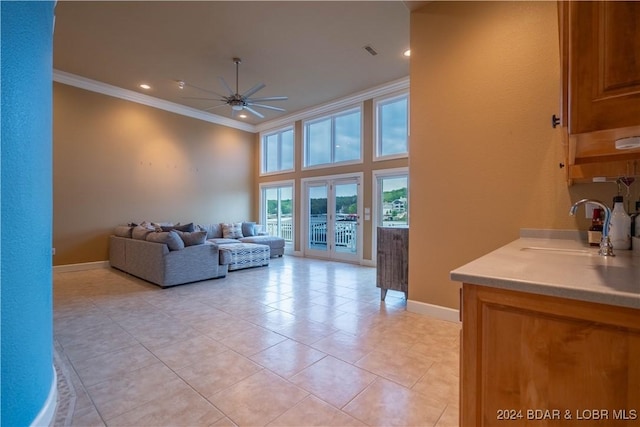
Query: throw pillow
123, 231
192, 238
170, 238
184, 227
141, 232
248, 229
232, 230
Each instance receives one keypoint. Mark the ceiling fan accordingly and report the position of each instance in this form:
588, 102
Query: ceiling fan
237, 101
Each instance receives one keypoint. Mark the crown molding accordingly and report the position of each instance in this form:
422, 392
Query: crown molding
348, 101
129, 95
139, 98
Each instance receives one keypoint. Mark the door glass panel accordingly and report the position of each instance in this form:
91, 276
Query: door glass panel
285, 229
318, 218
346, 218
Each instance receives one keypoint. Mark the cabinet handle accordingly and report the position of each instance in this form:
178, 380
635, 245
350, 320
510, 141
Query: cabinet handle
555, 121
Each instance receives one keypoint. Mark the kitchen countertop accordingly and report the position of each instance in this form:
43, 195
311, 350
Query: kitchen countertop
562, 267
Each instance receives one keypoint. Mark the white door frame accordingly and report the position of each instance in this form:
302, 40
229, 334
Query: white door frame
331, 179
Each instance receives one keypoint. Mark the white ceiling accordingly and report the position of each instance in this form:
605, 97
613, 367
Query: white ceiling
312, 52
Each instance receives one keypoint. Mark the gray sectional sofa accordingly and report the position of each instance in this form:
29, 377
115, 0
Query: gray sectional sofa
157, 264
170, 255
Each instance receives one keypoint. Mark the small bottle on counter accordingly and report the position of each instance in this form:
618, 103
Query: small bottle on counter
595, 231
635, 221
620, 226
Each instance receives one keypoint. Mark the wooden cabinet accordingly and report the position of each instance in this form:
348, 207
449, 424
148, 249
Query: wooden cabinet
600, 50
392, 262
532, 360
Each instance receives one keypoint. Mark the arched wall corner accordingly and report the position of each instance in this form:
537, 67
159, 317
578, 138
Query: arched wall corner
29, 387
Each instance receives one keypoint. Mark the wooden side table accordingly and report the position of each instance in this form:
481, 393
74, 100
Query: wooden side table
392, 270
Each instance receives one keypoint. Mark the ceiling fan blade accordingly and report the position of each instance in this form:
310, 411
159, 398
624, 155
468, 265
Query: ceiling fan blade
231, 92
270, 107
204, 90
253, 90
269, 98
214, 107
254, 112
204, 99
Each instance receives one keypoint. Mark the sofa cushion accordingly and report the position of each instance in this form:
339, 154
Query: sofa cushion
232, 230
170, 238
123, 231
192, 238
214, 231
179, 227
248, 229
223, 241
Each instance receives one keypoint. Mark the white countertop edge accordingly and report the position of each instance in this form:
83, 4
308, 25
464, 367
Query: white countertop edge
511, 268
620, 300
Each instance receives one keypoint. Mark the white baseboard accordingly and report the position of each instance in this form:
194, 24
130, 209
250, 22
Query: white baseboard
368, 263
46, 416
437, 311
81, 267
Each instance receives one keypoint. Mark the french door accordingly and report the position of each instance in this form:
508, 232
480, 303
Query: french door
333, 228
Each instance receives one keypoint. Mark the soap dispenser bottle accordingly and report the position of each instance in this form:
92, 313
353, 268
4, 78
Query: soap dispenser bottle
620, 227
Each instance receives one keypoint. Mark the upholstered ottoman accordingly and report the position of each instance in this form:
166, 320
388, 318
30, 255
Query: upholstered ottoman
244, 255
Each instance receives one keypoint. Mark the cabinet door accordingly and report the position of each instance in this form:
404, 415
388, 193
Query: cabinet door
534, 360
604, 65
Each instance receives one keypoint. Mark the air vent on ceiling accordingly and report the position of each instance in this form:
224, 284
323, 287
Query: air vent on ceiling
371, 50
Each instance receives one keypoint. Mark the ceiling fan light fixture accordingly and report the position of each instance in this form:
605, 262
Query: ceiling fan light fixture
241, 101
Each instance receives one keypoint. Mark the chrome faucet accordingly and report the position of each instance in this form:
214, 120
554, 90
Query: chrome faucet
606, 248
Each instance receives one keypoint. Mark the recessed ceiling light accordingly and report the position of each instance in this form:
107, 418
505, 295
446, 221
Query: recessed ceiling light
243, 116
407, 52
145, 86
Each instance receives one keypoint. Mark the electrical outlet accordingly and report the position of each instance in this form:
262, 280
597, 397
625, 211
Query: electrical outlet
53, 251
588, 209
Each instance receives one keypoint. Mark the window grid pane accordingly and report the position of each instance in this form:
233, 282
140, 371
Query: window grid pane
347, 137
395, 201
319, 142
333, 139
278, 203
393, 127
278, 151
286, 150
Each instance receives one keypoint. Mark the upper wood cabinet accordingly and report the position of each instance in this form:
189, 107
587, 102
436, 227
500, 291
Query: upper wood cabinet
600, 50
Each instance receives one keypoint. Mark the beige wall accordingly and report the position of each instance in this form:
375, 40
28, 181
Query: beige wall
366, 167
116, 161
483, 156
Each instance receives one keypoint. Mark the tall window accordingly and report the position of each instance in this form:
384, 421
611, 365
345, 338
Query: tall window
276, 203
392, 208
392, 126
277, 151
333, 139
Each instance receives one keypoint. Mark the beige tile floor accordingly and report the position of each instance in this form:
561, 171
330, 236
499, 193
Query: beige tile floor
302, 342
